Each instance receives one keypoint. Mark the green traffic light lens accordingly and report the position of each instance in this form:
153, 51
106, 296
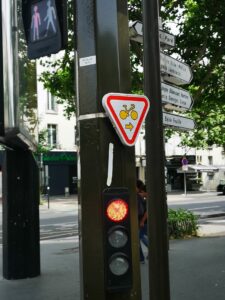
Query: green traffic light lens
119, 264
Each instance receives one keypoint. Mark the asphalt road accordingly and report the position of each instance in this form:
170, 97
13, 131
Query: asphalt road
55, 224
200, 204
58, 228
59, 224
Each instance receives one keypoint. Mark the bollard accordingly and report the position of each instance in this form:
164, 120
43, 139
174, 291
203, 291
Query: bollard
48, 196
67, 191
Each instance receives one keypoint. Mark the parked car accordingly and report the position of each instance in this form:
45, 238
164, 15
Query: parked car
221, 187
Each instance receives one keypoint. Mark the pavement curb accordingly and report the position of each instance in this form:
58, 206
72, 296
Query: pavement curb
216, 215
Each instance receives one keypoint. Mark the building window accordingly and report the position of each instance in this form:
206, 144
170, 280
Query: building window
199, 159
210, 159
75, 135
210, 175
51, 102
52, 134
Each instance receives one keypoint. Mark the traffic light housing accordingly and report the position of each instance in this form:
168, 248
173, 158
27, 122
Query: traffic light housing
117, 239
45, 24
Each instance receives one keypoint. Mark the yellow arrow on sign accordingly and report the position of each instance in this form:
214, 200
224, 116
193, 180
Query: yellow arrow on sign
129, 126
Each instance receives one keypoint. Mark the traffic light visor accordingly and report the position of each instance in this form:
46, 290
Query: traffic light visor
117, 210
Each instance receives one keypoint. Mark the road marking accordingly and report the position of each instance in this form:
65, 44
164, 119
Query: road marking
54, 236
62, 241
59, 224
217, 221
206, 207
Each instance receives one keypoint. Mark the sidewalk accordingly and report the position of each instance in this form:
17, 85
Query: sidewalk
59, 278
194, 275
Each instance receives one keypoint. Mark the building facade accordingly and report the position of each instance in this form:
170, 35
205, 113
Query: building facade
58, 166
205, 167
204, 171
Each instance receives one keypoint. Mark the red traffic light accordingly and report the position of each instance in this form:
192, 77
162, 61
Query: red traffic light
117, 239
117, 210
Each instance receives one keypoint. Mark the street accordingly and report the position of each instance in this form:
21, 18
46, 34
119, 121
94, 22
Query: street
58, 228
197, 265
199, 203
59, 221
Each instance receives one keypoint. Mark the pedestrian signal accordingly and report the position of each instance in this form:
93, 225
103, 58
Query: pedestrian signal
45, 24
117, 239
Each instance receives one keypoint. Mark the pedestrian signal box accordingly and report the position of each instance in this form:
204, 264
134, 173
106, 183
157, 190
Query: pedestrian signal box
45, 24
117, 239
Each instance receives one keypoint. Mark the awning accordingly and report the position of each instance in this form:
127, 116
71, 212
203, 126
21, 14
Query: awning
220, 167
198, 168
204, 168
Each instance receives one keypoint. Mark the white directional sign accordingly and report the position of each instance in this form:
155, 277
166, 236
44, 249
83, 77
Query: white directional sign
136, 34
166, 38
174, 70
179, 122
175, 98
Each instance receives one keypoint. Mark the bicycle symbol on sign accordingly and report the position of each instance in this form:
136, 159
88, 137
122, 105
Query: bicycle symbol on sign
129, 112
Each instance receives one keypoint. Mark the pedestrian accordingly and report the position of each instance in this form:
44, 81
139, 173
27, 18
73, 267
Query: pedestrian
142, 217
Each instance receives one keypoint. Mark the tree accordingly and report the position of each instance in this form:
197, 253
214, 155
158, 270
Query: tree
26, 106
60, 79
200, 43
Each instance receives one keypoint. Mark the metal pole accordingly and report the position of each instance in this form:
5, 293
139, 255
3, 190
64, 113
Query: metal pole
155, 159
48, 198
102, 50
185, 184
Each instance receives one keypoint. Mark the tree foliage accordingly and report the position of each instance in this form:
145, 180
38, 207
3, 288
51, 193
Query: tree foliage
200, 43
27, 87
59, 75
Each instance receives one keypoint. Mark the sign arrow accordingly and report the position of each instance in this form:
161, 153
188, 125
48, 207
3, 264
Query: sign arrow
174, 70
129, 126
175, 98
178, 122
136, 34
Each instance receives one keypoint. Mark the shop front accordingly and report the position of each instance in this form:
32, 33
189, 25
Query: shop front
58, 174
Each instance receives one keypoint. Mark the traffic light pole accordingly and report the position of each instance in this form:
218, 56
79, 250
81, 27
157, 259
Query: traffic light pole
102, 49
155, 158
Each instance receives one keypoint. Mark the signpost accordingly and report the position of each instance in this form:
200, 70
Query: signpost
159, 287
184, 162
178, 122
104, 163
167, 40
175, 98
175, 71
127, 113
